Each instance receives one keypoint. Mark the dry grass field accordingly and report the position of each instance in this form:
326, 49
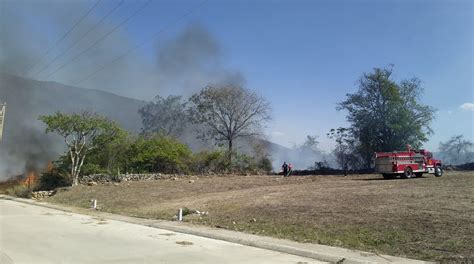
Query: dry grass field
425, 218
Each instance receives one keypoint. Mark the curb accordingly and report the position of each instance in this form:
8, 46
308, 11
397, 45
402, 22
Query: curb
314, 251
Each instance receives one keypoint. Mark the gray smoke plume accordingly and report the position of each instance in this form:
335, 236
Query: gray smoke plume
25, 146
29, 31
188, 63
191, 61
182, 65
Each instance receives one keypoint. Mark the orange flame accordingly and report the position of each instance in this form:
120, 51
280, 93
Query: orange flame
31, 178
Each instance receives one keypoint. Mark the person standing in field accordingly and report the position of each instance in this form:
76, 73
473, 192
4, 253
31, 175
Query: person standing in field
284, 167
290, 168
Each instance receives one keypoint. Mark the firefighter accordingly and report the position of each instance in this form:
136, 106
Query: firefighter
284, 167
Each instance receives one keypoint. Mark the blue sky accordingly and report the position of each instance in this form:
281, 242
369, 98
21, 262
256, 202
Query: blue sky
305, 56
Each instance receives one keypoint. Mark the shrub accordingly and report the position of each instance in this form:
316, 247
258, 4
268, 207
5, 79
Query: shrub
218, 162
159, 154
19, 191
92, 168
209, 161
187, 211
265, 164
52, 180
244, 163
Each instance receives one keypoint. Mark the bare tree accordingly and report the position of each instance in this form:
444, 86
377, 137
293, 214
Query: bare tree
228, 113
165, 116
455, 147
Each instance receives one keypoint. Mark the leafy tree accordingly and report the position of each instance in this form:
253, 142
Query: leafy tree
311, 144
228, 113
345, 151
455, 148
385, 115
166, 116
82, 133
111, 158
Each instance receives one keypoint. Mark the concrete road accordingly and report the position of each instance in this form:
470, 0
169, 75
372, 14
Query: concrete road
33, 234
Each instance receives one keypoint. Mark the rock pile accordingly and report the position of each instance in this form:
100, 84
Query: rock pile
105, 178
42, 194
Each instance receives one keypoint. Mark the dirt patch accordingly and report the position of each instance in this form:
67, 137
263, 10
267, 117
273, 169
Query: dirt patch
426, 218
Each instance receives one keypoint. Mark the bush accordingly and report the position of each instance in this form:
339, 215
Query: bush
91, 168
243, 163
19, 191
218, 162
52, 180
155, 154
265, 164
159, 154
209, 161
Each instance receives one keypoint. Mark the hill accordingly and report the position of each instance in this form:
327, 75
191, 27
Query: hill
24, 142
29, 98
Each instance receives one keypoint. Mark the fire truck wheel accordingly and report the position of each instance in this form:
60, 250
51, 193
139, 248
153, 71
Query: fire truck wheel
438, 171
408, 173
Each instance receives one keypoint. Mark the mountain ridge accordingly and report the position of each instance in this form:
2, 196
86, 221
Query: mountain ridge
25, 142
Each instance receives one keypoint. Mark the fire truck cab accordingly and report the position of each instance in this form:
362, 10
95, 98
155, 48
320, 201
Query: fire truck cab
407, 164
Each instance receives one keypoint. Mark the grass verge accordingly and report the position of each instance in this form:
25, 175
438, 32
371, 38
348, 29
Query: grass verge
424, 218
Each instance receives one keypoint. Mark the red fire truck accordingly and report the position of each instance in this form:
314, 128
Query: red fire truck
407, 164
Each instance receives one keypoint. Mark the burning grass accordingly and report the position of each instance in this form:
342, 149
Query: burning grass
427, 218
20, 186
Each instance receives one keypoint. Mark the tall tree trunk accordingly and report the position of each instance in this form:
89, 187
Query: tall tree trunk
75, 180
73, 169
80, 162
230, 151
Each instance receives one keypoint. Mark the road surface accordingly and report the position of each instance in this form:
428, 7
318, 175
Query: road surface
33, 234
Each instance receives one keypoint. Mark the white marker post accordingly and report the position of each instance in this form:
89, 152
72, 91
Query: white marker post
2, 119
180, 214
94, 203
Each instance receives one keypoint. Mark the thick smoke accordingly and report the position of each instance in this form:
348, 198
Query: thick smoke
186, 64
180, 64
191, 61
29, 31
25, 145
301, 158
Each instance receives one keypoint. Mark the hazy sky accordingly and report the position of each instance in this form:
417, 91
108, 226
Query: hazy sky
304, 56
